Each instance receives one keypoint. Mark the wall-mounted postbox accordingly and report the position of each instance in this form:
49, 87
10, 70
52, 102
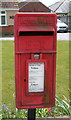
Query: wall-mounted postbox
35, 59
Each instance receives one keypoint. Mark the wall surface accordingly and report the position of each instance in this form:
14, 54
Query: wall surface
7, 31
10, 16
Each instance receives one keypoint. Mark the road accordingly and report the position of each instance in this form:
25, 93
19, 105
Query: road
60, 36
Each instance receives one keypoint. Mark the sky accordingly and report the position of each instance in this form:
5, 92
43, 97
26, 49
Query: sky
48, 2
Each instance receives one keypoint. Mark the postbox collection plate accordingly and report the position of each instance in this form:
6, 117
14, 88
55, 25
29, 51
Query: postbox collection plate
36, 77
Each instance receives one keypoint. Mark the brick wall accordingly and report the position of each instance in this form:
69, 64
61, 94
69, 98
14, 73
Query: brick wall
7, 30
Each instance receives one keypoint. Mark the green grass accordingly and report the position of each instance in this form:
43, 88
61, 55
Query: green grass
63, 68
8, 80
0, 73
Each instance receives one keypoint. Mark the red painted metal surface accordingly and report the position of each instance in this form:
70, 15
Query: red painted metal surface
35, 33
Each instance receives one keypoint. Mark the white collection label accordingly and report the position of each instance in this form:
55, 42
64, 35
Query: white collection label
36, 77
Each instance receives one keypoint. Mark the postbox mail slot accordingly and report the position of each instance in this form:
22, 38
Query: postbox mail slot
36, 33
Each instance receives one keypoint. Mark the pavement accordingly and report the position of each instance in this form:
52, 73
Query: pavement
7, 38
64, 36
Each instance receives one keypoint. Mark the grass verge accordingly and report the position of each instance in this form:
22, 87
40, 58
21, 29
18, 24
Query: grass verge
8, 82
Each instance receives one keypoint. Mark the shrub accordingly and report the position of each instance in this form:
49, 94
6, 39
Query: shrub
62, 108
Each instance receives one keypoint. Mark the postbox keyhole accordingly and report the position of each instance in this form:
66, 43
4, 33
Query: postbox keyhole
24, 80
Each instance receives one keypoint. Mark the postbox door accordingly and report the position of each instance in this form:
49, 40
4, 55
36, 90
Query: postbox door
34, 96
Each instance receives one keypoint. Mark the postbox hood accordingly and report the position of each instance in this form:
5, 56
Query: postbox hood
35, 28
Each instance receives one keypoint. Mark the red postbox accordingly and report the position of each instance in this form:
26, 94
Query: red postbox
35, 59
